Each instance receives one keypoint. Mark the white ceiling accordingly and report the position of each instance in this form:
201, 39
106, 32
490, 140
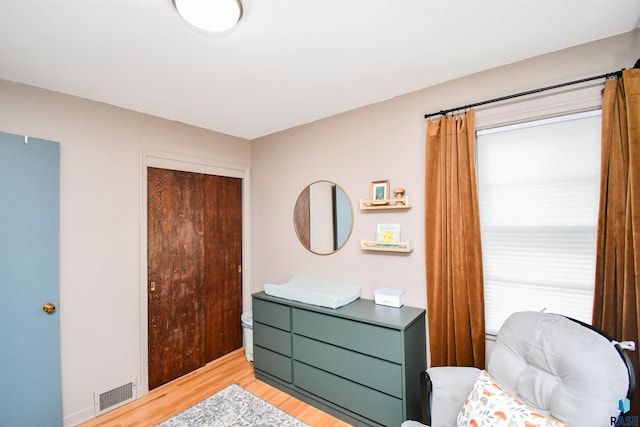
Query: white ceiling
289, 62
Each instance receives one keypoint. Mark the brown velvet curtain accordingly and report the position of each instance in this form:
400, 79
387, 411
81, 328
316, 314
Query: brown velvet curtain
615, 308
455, 289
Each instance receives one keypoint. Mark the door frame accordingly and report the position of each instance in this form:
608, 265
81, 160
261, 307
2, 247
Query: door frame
179, 162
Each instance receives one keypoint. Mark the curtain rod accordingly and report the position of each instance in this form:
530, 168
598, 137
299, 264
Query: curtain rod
617, 74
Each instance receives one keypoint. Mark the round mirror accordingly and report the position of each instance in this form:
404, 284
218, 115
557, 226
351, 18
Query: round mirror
323, 217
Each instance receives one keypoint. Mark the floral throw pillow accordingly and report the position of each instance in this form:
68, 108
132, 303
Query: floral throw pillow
488, 405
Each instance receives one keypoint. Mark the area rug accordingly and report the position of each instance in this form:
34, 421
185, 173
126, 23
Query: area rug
231, 407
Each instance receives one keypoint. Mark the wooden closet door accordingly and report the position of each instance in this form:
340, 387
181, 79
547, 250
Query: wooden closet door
175, 218
223, 275
195, 277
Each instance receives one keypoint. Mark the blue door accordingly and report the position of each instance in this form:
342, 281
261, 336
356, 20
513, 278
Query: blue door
30, 391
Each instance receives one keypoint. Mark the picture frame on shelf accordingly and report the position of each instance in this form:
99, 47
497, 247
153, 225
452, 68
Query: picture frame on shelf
379, 192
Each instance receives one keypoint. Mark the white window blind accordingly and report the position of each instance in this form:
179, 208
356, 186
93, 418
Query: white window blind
538, 190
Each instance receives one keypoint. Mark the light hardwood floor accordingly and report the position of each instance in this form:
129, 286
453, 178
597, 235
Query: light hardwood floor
176, 396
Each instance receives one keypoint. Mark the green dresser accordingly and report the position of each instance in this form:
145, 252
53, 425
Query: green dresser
360, 362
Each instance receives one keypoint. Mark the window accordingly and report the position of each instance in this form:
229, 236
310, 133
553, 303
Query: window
538, 189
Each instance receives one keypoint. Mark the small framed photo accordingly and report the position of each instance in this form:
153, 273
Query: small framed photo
379, 192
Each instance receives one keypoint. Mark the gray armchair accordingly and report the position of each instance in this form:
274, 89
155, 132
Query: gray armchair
557, 366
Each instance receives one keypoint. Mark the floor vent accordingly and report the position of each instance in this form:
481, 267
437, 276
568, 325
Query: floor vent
114, 397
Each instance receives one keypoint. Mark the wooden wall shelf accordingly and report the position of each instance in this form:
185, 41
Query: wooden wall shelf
367, 205
372, 245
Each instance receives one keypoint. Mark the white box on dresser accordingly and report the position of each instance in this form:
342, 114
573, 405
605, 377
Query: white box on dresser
389, 296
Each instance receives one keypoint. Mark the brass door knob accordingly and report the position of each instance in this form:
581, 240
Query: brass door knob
49, 308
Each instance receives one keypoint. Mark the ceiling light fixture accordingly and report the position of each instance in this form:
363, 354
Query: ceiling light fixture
210, 15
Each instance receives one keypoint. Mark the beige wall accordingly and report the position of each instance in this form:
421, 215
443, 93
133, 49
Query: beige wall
100, 197
100, 265
387, 141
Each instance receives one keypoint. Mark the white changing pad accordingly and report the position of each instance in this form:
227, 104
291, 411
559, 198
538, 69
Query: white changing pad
315, 291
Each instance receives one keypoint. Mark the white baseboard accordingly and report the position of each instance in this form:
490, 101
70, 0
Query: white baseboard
79, 417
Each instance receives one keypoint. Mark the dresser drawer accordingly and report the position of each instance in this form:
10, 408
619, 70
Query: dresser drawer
369, 403
370, 371
272, 338
365, 338
272, 363
272, 314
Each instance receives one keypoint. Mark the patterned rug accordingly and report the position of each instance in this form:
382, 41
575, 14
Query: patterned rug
230, 407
